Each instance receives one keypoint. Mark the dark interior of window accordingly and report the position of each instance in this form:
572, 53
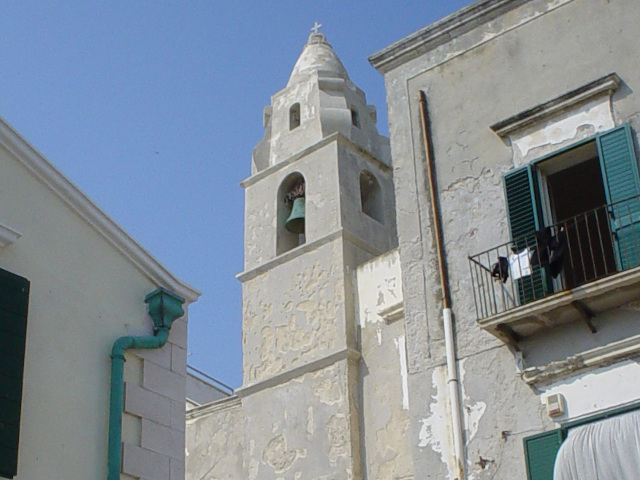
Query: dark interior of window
577, 199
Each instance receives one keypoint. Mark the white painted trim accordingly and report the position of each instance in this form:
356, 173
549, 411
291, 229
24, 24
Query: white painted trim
8, 235
77, 201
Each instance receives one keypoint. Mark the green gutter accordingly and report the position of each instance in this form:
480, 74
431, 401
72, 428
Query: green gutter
164, 308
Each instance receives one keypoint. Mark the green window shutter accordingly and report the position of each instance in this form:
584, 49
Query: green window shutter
14, 304
523, 210
540, 454
620, 174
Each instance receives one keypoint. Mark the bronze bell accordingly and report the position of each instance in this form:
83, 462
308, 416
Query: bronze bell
295, 222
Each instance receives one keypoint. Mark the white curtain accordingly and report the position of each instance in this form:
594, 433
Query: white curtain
604, 450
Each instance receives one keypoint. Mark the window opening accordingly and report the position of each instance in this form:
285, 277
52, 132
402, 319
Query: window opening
577, 213
291, 214
371, 196
294, 116
355, 117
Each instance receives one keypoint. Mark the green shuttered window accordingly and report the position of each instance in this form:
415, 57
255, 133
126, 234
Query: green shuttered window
14, 304
523, 208
540, 453
620, 175
621, 182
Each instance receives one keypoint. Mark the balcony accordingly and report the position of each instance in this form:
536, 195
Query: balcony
568, 272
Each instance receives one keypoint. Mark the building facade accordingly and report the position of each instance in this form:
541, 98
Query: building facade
71, 283
530, 121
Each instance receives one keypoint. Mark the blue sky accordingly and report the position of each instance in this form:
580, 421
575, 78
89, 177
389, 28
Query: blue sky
152, 108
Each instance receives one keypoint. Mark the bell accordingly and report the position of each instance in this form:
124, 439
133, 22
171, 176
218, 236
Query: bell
295, 222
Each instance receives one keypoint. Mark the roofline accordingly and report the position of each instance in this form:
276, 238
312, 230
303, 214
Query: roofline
71, 195
440, 32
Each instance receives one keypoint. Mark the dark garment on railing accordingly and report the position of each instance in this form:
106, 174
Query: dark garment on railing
549, 250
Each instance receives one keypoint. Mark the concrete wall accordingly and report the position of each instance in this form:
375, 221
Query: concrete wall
84, 295
483, 65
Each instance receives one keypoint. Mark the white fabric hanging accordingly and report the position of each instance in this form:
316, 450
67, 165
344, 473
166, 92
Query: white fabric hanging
604, 450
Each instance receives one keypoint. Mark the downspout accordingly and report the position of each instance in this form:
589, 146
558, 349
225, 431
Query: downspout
452, 371
164, 307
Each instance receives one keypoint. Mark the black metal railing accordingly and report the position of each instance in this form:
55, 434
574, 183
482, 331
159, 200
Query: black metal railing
571, 253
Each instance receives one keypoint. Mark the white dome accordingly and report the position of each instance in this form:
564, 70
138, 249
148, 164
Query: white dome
316, 56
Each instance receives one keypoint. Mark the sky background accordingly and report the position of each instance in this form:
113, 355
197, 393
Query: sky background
152, 108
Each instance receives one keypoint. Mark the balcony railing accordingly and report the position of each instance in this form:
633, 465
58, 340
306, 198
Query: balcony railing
565, 256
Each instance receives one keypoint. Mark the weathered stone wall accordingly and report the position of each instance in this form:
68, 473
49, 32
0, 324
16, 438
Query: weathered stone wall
215, 441
383, 369
512, 59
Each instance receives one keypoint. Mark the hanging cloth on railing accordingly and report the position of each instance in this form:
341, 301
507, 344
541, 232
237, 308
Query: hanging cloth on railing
549, 251
604, 450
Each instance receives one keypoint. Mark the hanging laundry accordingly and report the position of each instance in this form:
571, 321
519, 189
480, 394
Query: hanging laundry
519, 264
500, 269
549, 251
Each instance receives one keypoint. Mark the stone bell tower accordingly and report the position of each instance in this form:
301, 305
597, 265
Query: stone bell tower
300, 347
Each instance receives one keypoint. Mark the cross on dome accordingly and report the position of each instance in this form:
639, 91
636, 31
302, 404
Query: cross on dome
316, 27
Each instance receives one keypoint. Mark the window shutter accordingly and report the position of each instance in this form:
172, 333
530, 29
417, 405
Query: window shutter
523, 211
540, 454
622, 185
14, 304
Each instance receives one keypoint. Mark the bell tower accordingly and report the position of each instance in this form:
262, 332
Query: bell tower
318, 203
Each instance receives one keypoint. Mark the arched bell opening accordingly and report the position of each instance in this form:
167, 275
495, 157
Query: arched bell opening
355, 117
291, 213
371, 196
294, 116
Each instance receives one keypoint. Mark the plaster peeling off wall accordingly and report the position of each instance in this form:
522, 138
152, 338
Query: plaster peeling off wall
581, 122
436, 430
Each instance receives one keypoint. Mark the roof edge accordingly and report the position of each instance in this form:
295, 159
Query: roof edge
440, 32
71, 195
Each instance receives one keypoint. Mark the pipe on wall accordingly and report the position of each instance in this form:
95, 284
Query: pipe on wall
447, 318
164, 307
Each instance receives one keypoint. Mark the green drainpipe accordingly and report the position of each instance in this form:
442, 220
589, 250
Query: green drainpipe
164, 308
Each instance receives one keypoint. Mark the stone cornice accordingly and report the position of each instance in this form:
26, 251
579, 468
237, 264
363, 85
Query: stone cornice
603, 86
217, 406
77, 201
594, 358
337, 137
313, 366
440, 32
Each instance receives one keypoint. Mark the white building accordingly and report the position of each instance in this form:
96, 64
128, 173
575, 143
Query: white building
71, 283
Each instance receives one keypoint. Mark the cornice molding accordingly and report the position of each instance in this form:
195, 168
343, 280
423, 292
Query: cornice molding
606, 85
440, 32
8, 235
594, 358
77, 201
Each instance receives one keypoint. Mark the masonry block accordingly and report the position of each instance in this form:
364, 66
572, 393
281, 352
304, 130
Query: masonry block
178, 419
146, 404
178, 359
164, 381
177, 469
159, 356
161, 439
178, 335
140, 462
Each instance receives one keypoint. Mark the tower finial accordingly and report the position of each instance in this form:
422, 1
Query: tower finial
316, 27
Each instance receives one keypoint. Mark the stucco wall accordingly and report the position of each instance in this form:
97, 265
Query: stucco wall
383, 369
531, 53
84, 295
